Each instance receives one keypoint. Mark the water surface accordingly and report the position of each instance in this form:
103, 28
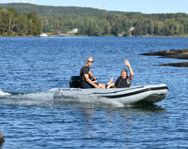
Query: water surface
33, 119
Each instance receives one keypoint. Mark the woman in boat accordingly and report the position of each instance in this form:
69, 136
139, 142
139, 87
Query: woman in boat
87, 80
123, 80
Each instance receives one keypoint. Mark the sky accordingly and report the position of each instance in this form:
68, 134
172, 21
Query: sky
144, 6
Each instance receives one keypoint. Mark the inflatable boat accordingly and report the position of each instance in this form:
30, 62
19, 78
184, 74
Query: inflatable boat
126, 96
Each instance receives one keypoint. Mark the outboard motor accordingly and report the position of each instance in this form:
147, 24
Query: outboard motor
74, 82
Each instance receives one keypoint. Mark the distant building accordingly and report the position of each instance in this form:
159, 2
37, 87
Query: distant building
74, 31
131, 31
43, 35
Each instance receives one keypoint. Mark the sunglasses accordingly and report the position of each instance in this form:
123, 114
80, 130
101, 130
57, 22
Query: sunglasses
90, 61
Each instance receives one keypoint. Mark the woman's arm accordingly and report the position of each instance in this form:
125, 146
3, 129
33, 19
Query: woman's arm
130, 68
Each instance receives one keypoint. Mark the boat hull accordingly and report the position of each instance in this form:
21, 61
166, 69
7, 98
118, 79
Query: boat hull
126, 96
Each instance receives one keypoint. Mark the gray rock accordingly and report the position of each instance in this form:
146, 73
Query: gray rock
177, 54
182, 64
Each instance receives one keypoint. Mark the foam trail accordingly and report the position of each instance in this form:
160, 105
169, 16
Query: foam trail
43, 98
37, 98
2, 93
47, 98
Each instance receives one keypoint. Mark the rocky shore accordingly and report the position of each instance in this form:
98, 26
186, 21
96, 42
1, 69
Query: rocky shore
182, 64
177, 54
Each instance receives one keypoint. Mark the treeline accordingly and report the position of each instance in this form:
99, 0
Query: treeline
98, 22
13, 23
120, 24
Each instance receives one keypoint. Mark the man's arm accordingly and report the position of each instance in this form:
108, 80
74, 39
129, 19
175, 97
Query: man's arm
92, 76
130, 68
86, 76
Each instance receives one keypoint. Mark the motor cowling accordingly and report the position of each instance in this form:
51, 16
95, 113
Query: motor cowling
74, 82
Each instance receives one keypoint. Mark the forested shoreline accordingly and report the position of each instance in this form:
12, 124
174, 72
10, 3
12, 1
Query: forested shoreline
28, 19
13, 23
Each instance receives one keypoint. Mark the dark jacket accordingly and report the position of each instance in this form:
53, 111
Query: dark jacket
123, 83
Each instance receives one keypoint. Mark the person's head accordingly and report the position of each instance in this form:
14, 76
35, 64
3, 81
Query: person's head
89, 61
124, 74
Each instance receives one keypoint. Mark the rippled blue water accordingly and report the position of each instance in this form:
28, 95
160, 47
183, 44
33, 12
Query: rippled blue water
35, 120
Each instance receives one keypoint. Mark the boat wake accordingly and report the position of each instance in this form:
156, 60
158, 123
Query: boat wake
2, 93
48, 99
27, 99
